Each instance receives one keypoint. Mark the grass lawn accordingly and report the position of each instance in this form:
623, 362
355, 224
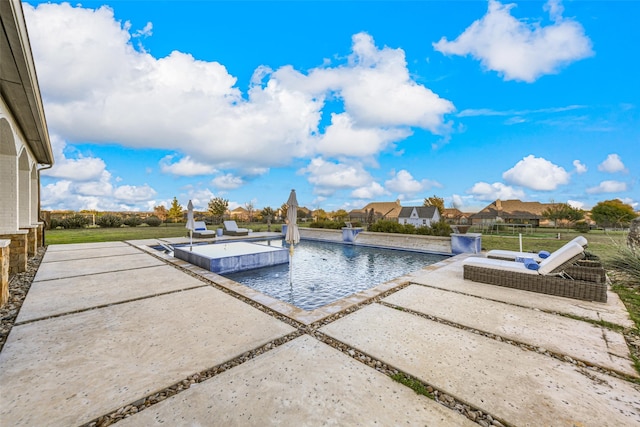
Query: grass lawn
91, 235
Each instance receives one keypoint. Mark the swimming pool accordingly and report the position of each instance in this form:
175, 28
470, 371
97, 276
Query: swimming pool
322, 273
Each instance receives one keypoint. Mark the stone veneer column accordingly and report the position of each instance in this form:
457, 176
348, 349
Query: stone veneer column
41, 234
17, 251
32, 240
4, 271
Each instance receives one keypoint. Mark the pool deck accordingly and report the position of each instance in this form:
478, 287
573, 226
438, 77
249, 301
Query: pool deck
107, 325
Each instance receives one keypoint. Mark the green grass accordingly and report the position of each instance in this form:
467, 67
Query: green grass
413, 384
631, 297
91, 235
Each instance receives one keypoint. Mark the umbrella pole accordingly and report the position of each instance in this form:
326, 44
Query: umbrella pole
190, 240
291, 264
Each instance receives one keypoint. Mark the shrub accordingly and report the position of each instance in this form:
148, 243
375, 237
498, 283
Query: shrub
109, 221
153, 221
581, 227
332, 225
387, 226
54, 223
75, 221
626, 263
424, 231
133, 221
441, 228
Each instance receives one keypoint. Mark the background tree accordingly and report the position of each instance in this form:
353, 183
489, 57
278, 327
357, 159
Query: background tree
175, 211
302, 214
250, 210
340, 215
217, 208
613, 213
436, 201
562, 212
320, 214
267, 214
160, 212
283, 210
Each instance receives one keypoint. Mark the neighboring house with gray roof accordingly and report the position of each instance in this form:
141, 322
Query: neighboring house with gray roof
419, 216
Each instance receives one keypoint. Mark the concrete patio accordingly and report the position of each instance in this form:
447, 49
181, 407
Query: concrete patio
107, 326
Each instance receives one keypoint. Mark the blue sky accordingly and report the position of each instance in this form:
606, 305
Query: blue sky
347, 102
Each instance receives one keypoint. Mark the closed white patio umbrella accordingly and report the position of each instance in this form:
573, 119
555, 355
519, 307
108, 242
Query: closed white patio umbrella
191, 224
292, 236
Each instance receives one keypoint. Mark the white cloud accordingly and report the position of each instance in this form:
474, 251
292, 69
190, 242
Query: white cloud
343, 138
331, 176
580, 168
85, 183
612, 164
457, 201
97, 87
485, 191
227, 182
79, 169
608, 187
519, 50
369, 192
536, 173
133, 194
403, 182
575, 204
186, 166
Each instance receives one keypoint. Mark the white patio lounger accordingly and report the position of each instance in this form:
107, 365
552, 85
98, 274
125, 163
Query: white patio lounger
231, 229
201, 230
512, 255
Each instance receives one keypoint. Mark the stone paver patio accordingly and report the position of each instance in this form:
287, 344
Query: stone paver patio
107, 325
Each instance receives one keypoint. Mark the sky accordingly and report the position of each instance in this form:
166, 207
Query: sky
345, 102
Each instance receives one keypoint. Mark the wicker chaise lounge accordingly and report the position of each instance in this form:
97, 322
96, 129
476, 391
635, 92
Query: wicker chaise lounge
200, 230
231, 229
582, 269
550, 277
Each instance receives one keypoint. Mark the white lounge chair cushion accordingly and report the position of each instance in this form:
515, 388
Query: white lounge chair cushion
559, 257
200, 226
499, 253
499, 264
512, 255
232, 226
200, 229
547, 265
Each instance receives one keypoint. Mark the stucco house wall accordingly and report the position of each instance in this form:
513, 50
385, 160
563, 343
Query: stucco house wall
25, 148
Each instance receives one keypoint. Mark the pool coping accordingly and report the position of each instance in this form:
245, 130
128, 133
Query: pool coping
304, 317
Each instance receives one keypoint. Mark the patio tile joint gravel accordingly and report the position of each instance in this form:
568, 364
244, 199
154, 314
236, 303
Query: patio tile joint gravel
584, 367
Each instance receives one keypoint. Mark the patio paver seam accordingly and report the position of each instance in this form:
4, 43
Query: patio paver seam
440, 396
82, 310
522, 345
602, 323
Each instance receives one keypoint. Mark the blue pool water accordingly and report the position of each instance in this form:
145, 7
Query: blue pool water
323, 272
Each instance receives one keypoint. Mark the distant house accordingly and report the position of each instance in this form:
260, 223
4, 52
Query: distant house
419, 216
239, 214
381, 210
455, 216
512, 212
